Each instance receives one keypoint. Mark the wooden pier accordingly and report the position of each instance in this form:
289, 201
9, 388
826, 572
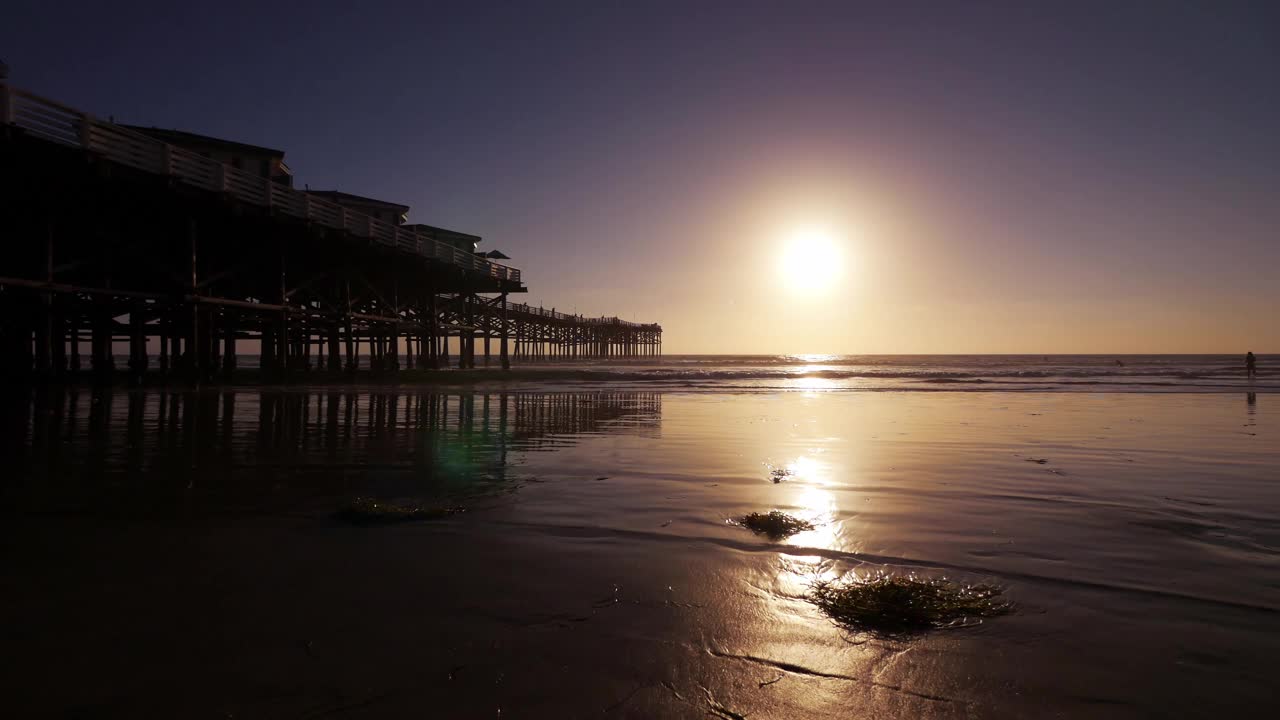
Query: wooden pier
115, 239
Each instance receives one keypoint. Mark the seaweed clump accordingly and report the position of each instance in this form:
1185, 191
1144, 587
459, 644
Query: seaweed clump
368, 511
776, 524
889, 604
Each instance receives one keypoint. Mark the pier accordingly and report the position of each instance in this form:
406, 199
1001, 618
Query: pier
116, 237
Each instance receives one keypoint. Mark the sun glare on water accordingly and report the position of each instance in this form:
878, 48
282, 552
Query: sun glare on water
811, 263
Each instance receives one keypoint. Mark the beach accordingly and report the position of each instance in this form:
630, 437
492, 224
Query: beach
177, 554
739, 361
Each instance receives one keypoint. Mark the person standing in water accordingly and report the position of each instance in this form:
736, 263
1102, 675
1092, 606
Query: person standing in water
1250, 365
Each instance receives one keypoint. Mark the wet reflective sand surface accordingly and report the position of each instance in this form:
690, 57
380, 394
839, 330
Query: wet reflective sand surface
176, 555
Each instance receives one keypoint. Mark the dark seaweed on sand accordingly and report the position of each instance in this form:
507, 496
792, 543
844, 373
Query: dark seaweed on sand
368, 511
890, 604
777, 525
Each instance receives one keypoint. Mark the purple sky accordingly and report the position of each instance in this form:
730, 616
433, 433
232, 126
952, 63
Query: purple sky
1086, 177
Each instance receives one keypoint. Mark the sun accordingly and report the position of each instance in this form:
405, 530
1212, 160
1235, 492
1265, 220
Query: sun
812, 261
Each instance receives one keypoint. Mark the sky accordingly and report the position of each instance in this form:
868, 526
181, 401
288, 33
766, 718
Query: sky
992, 177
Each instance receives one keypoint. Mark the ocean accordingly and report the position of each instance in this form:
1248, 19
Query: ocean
1089, 373
1025, 373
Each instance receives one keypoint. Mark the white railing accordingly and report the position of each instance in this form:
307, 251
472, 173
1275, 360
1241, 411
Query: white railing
48, 120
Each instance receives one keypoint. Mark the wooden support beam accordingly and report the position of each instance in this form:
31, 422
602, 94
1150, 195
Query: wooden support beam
163, 329
353, 358
232, 319
101, 341
137, 341
306, 284
335, 362
59, 340
194, 362
282, 320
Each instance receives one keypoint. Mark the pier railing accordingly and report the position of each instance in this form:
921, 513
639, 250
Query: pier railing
65, 125
554, 315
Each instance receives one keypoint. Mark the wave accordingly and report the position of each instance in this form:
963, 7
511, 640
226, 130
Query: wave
1129, 373
899, 376
791, 373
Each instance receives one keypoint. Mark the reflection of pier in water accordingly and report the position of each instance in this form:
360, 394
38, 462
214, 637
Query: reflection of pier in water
240, 446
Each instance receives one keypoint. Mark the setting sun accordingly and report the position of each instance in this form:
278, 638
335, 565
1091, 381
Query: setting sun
812, 261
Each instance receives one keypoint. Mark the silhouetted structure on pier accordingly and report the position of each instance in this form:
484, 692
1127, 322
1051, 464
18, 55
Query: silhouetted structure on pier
181, 247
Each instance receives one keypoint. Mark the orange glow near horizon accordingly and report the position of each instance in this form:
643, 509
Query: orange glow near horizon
877, 262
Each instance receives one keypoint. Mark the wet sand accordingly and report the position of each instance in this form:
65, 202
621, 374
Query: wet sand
170, 555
